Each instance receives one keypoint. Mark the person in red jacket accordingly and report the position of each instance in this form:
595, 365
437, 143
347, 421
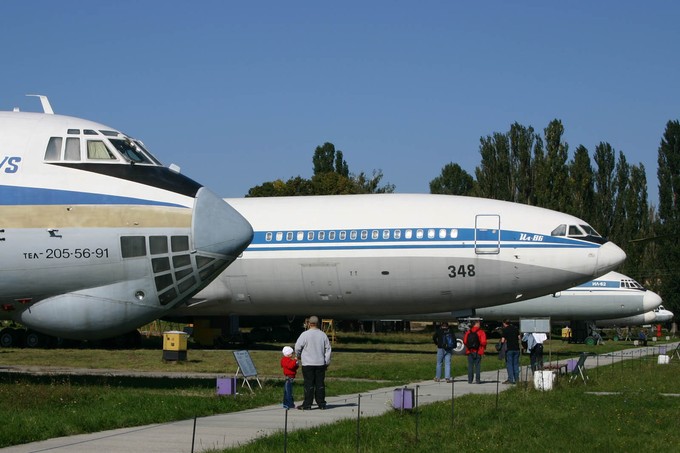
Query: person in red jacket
475, 344
290, 366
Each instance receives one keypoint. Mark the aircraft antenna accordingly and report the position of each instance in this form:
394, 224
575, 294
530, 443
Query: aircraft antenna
47, 108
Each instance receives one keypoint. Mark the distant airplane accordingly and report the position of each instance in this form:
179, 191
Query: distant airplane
97, 238
358, 255
609, 300
657, 316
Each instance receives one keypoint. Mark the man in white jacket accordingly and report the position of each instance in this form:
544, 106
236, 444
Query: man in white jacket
314, 351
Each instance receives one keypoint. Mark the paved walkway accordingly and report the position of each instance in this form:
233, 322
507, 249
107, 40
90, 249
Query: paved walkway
233, 429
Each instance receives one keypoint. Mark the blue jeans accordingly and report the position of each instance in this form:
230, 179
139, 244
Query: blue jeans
474, 367
512, 365
443, 356
288, 401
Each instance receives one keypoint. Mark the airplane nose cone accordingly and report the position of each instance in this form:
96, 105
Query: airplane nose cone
219, 229
650, 301
609, 257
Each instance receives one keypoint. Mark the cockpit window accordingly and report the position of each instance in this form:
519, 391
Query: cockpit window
72, 151
585, 232
109, 133
574, 230
630, 283
96, 149
130, 151
590, 230
89, 132
147, 153
53, 151
559, 231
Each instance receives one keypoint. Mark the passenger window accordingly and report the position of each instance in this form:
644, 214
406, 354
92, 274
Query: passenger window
322, 235
397, 234
364, 235
300, 235
353, 235
310, 235
279, 235
408, 234
331, 235
268, 236
386, 234
419, 234
72, 149
96, 149
375, 234
289, 236
343, 235
430, 233
53, 151
442, 233
454, 233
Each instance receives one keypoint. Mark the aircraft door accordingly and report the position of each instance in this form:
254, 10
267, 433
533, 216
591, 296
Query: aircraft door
487, 234
321, 283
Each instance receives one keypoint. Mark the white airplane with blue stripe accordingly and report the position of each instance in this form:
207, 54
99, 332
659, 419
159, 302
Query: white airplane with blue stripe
97, 238
357, 255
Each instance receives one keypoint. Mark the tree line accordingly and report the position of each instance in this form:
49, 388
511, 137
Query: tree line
525, 166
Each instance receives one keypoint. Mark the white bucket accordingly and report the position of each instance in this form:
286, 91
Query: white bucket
543, 380
663, 359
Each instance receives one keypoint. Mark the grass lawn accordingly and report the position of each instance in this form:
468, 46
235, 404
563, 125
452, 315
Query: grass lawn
40, 407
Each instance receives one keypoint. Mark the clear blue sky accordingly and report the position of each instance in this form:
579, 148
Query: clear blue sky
238, 93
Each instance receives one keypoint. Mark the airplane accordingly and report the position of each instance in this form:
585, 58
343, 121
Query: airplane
613, 299
97, 237
357, 255
657, 316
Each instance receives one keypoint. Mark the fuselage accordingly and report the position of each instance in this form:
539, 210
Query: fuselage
96, 237
359, 255
613, 295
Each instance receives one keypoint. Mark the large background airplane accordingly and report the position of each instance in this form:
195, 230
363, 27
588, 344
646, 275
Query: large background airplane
357, 255
613, 299
96, 237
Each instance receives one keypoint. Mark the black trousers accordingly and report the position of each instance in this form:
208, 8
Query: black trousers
314, 377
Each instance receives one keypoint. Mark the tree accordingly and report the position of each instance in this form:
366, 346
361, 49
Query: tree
580, 190
522, 143
331, 177
604, 188
493, 173
327, 160
557, 153
453, 180
669, 214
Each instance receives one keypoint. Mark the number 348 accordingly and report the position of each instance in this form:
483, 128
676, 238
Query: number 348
462, 271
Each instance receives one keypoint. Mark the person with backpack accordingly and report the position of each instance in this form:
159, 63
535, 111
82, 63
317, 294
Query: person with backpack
510, 337
475, 344
445, 341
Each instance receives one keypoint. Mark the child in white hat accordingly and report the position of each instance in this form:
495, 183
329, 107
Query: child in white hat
290, 366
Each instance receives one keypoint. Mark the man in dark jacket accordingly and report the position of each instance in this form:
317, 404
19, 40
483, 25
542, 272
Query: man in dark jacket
510, 336
445, 340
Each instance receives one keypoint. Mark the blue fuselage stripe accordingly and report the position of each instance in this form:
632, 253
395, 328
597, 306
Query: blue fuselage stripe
18, 196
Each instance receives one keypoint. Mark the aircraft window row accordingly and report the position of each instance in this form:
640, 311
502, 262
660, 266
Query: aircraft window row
97, 149
135, 246
342, 235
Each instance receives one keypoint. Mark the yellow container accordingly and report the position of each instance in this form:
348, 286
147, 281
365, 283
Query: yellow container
175, 345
